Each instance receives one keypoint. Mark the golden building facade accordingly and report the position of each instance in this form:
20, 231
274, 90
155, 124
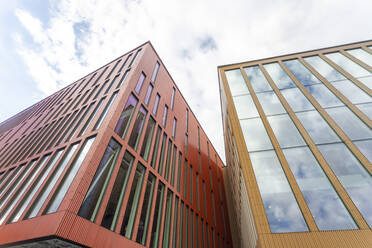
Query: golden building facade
298, 138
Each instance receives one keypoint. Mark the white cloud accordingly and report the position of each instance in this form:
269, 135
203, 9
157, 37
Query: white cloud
241, 30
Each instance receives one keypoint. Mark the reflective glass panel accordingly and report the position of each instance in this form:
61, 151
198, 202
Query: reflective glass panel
367, 81
168, 219
317, 127
126, 116
352, 92
352, 175
279, 76
361, 55
365, 146
145, 150
104, 112
156, 104
255, 135
141, 79
296, 100
367, 109
236, 82
281, 208
245, 107
350, 123
270, 103
323, 96
155, 72
325, 205
285, 131
348, 65
137, 128
148, 94
257, 79
301, 72
324, 68
155, 232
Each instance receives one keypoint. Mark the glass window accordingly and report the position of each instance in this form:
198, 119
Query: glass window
365, 146
281, 208
245, 107
257, 79
327, 71
186, 144
191, 184
146, 210
179, 172
172, 99
213, 209
255, 135
296, 100
165, 114
91, 117
111, 84
191, 228
68, 177
125, 61
352, 175
14, 178
348, 65
155, 72
270, 103
168, 161
367, 81
361, 55
325, 205
155, 149
93, 198
236, 82
279, 76
155, 232
285, 131
148, 94
301, 72
317, 127
162, 151
349, 123
174, 158
352, 92
174, 128
137, 128
156, 104
187, 236
145, 150
175, 223
100, 89
51, 182
180, 243
187, 120
168, 219
366, 109
123, 79
140, 81
104, 112
134, 58
132, 203
126, 116
114, 204
204, 199
197, 192
323, 96
79, 122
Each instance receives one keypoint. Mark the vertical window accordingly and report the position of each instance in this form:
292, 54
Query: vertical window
175, 223
187, 120
156, 104
210, 177
68, 177
137, 128
100, 90
168, 219
199, 139
135, 57
191, 184
199, 162
51, 182
113, 68
103, 115
140, 82
204, 199
111, 84
162, 151
179, 172
148, 94
165, 114
191, 228
173, 170
91, 117
187, 238
155, 72
202, 233
92, 201
174, 128
155, 149
213, 209
197, 230
145, 150
186, 144
236, 82
185, 180
79, 122
207, 234
197, 192
125, 62
180, 243
132, 204
155, 232
172, 98
168, 161
146, 210
111, 214
126, 116
123, 79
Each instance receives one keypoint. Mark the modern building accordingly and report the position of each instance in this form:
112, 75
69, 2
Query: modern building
299, 148
116, 159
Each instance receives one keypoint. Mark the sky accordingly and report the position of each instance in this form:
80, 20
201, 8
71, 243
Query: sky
46, 45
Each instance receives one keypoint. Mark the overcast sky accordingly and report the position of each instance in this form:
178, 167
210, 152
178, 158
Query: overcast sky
45, 45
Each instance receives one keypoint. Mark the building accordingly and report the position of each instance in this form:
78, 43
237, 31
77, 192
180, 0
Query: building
116, 159
299, 148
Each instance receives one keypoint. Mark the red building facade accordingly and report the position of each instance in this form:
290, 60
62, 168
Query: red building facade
115, 159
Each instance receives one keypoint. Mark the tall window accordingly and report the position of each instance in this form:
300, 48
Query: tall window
174, 128
135, 57
123, 79
155, 232
140, 82
137, 128
156, 104
155, 72
165, 114
148, 94
172, 99
156, 147
126, 116
145, 150
187, 120
103, 115
168, 219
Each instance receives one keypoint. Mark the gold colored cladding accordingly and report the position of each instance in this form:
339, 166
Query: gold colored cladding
356, 60
322, 162
364, 161
291, 179
347, 102
260, 219
347, 75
